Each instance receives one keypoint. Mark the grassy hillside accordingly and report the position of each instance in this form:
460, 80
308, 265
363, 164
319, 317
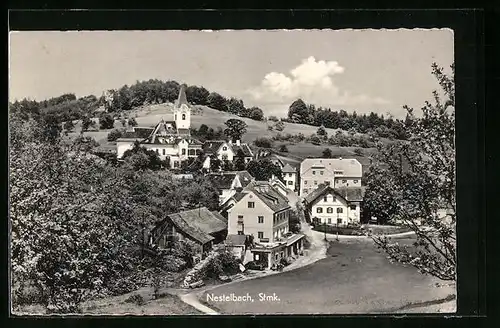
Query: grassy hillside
150, 115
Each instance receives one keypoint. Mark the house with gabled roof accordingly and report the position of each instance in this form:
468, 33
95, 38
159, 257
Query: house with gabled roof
262, 212
290, 176
226, 150
336, 172
229, 182
201, 226
334, 206
169, 139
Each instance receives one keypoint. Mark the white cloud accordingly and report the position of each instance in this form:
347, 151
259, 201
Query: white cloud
312, 81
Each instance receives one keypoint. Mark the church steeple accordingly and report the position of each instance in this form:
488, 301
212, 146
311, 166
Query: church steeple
182, 112
182, 99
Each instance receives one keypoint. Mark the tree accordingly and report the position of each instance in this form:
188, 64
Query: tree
235, 129
140, 158
215, 164
264, 169
63, 196
106, 121
123, 122
227, 165
132, 122
255, 113
279, 126
197, 95
263, 142
322, 132
298, 111
283, 149
87, 123
327, 153
358, 152
114, 134
69, 126
239, 161
216, 101
417, 180
235, 106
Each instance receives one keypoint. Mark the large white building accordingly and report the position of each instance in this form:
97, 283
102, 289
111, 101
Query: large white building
334, 172
170, 139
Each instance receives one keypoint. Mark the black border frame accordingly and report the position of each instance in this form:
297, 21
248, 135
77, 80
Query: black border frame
468, 26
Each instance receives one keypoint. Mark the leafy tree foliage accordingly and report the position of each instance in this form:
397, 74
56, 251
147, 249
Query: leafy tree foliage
263, 142
69, 126
106, 121
197, 95
215, 164
235, 106
132, 122
140, 158
239, 161
416, 179
298, 111
327, 153
114, 134
283, 149
235, 129
264, 169
216, 101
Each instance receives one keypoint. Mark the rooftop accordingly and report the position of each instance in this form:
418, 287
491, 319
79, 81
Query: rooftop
351, 194
350, 167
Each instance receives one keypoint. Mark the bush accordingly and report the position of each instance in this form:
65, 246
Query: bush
283, 149
348, 231
69, 126
114, 134
280, 126
132, 122
314, 139
273, 118
106, 121
135, 299
223, 264
263, 142
270, 127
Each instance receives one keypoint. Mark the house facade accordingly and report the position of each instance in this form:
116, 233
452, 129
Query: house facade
334, 206
335, 172
290, 176
262, 212
229, 182
201, 226
225, 150
169, 139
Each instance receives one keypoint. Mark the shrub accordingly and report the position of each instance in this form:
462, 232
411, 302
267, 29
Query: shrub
314, 139
263, 142
273, 118
224, 263
69, 126
106, 121
280, 126
132, 121
114, 134
135, 299
270, 127
283, 149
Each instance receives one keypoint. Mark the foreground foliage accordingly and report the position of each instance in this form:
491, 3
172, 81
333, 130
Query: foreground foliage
416, 185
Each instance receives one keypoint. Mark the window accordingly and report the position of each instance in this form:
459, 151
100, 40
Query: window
327, 183
163, 151
256, 257
325, 199
290, 183
339, 221
305, 182
355, 181
319, 210
240, 233
340, 210
157, 151
176, 117
260, 234
251, 205
224, 148
276, 257
176, 164
329, 220
352, 207
220, 192
315, 182
240, 218
290, 175
344, 181
183, 116
321, 172
261, 219
329, 210
314, 172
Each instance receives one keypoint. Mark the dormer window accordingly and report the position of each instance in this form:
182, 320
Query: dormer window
224, 148
183, 116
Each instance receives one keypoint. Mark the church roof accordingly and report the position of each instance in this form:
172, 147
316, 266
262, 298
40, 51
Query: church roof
182, 99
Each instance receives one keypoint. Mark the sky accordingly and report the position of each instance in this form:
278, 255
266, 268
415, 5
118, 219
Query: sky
354, 70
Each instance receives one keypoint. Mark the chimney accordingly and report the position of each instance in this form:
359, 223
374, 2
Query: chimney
237, 142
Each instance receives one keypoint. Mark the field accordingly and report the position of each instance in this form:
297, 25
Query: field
151, 115
354, 278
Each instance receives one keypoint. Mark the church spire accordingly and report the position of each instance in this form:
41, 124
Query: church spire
182, 96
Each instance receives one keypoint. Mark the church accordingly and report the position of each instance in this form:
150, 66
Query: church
169, 139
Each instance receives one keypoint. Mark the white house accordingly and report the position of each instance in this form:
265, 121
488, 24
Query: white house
226, 150
336, 172
290, 176
334, 206
169, 139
